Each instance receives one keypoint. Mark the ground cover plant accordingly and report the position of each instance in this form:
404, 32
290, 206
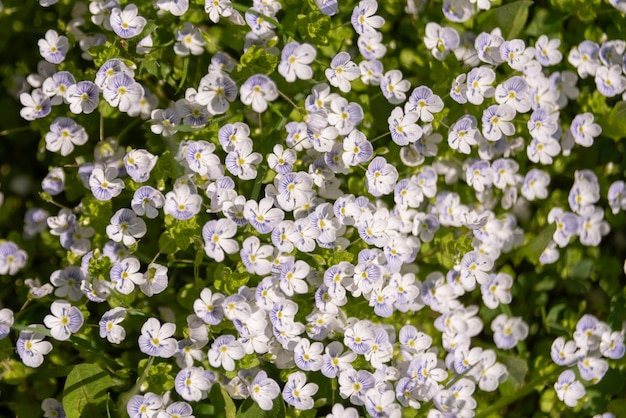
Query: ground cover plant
313, 208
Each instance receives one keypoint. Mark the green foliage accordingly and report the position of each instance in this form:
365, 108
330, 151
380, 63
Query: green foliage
250, 409
511, 18
614, 122
254, 61
85, 392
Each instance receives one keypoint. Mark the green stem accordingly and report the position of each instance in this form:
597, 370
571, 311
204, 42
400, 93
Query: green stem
135, 390
15, 130
521, 393
183, 77
128, 127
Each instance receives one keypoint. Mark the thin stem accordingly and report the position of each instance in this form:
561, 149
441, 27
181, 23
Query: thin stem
14, 130
142, 379
284, 96
380, 137
522, 392
129, 127
101, 127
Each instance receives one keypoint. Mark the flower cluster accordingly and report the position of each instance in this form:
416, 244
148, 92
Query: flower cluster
294, 215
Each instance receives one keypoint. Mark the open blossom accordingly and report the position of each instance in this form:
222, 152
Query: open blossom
126, 227
496, 122
381, 177
298, 393
192, 383
139, 163
224, 351
189, 41
53, 47
568, 389
364, 21
295, 61
127, 23
584, 130
263, 390
403, 127
31, 347
6, 321
508, 331
218, 8
394, 87
441, 40
110, 327
104, 183
83, 97
64, 321
156, 339
257, 90
125, 275
56, 86
122, 91
182, 203
146, 201
218, 240
36, 105
12, 258
175, 7
342, 71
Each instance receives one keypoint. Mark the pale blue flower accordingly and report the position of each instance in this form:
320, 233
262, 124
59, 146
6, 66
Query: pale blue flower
127, 24
83, 97
53, 47
257, 90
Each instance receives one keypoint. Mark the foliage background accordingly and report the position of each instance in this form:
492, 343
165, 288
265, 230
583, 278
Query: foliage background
550, 298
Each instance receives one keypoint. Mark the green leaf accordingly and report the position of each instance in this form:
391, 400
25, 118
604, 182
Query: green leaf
151, 66
614, 123
255, 60
229, 406
534, 248
545, 21
250, 409
85, 391
511, 18
517, 367
103, 53
582, 269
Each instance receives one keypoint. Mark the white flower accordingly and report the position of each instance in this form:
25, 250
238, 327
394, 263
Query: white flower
298, 393
192, 384
64, 321
189, 41
181, 203
295, 61
568, 389
364, 21
342, 71
155, 340
394, 88
217, 236
54, 47
31, 347
224, 350
6, 321
127, 23
126, 227
175, 7
139, 163
257, 91
109, 325
104, 183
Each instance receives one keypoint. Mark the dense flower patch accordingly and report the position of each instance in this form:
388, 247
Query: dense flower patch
314, 208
